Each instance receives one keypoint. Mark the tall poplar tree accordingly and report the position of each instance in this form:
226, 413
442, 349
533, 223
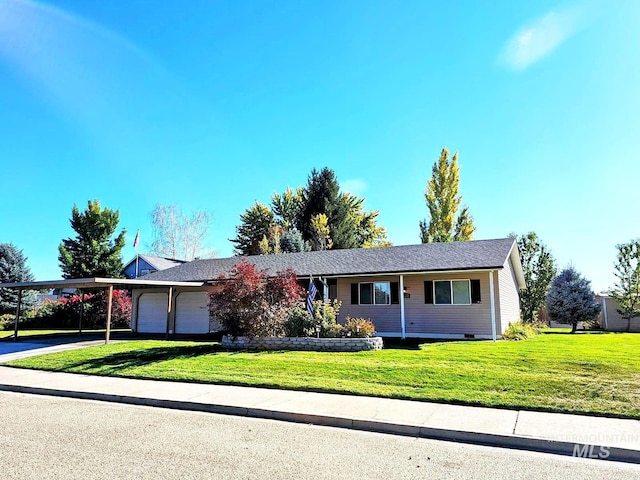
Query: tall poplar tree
446, 222
94, 252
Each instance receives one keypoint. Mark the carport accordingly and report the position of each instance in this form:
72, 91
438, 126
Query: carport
94, 284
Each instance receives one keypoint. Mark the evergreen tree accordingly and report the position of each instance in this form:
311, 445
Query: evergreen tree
571, 300
93, 252
627, 289
256, 222
539, 270
446, 223
291, 241
13, 269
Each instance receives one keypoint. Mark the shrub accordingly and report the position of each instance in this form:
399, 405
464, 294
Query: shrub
65, 312
359, 327
325, 316
299, 323
7, 321
249, 303
520, 331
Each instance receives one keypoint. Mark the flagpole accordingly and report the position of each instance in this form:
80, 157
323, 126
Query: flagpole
137, 271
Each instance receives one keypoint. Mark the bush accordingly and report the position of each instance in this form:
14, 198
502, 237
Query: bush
325, 316
359, 327
299, 323
7, 321
249, 303
520, 331
65, 312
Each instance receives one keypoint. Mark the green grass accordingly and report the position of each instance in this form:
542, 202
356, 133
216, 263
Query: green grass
586, 373
51, 333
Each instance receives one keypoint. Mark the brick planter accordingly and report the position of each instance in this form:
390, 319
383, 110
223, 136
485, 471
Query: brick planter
303, 343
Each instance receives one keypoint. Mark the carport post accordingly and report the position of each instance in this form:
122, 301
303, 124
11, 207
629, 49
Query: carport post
107, 333
81, 313
169, 310
15, 325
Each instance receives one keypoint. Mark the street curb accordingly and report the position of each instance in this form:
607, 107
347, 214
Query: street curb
615, 454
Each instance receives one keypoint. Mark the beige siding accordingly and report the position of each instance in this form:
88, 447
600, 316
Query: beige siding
508, 295
615, 322
385, 317
422, 319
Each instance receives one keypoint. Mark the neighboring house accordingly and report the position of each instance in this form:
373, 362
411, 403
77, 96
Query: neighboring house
54, 295
610, 319
147, 264
438, 290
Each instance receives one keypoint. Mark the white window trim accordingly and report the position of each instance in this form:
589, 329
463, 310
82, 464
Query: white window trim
468, 280
373, 294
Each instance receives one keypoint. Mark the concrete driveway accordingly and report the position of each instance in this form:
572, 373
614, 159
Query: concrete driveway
10, 350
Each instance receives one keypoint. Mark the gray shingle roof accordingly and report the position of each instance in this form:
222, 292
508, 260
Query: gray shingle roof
161, 263
474, 255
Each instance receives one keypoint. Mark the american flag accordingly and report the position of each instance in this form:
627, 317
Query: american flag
136, 240
312, 296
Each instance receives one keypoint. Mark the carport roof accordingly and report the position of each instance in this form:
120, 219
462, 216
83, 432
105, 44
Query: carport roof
97, 283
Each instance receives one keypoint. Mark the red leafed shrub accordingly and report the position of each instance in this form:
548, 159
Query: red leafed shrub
249, 303
65, 312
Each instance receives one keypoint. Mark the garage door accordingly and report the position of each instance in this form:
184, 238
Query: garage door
152, 313
192, 312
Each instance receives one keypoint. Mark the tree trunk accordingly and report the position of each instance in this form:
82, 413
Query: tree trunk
574, 325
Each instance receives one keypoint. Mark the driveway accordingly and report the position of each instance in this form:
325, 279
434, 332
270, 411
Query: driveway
10, 350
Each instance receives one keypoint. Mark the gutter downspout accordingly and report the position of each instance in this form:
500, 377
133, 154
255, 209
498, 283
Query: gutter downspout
493, 307
604, 313
401, 295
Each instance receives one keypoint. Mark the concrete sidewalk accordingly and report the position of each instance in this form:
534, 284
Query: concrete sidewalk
607, 438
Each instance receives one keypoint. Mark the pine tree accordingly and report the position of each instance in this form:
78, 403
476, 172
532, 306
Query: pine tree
13, 268
445, 223
93, 252
256, 222
571, 300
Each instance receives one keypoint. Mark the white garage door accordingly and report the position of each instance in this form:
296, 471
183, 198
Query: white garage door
192, 312
152, 313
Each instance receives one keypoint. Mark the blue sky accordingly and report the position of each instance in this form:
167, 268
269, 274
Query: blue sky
217, 104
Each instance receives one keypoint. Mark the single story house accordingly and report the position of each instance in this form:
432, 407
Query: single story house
438, 290
610, 319
144, 264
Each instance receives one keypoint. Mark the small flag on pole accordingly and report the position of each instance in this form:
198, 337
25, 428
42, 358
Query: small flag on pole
312, 296
136, 240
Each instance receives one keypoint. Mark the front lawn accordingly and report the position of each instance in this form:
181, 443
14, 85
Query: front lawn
585, 372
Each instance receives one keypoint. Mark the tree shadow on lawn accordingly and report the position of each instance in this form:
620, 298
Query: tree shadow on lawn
146, 356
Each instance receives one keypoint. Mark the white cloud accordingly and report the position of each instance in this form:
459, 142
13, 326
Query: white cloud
354, 186
542, 36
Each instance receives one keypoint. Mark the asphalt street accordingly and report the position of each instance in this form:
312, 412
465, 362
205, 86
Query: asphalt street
50, 437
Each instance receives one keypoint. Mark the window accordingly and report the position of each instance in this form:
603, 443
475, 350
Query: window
332, 283
453, 292
377, 293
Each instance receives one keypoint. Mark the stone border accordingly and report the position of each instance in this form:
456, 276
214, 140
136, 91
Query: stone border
303, 343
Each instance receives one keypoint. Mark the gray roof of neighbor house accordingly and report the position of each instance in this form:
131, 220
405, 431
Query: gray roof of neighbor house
159, 263
433, 257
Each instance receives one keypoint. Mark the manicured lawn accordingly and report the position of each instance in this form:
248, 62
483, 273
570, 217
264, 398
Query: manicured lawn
588, 373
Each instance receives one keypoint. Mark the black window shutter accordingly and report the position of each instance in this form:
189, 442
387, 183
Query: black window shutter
395, 297
475, 291
428, 291
354, 294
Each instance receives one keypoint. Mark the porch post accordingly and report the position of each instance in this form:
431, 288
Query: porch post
15, 325
401, 296
169, 310
493, 307
107, 333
